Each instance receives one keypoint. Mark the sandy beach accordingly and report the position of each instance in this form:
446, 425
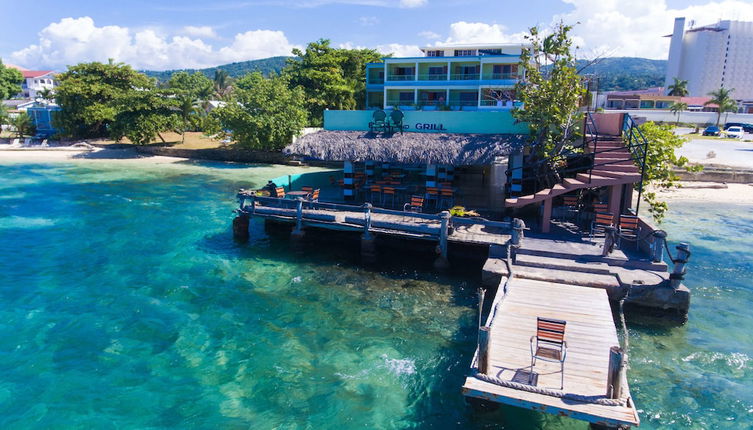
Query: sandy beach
710, 192
74, 154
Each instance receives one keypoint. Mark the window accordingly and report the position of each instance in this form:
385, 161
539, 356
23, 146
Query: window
436, 53
490, 52
465, 52
406, 96
441, 70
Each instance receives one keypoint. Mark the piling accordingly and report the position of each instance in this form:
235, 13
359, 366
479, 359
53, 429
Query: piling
483, 349
240, 228
678, 272
442, 263
616, 372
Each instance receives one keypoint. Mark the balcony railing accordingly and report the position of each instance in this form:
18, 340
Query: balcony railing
375, 81
433, 77
401, 77
464, 76
463, 103
500, 76
397, 102
500, 103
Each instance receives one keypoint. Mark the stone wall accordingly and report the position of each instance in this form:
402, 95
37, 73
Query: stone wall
710, 174
218, 154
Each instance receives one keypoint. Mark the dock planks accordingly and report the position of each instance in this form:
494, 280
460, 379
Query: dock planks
590, 333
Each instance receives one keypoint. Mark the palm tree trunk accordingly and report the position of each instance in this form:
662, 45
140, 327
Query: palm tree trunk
161, 138
718, 116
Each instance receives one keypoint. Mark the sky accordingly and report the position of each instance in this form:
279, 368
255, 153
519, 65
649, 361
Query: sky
165, 34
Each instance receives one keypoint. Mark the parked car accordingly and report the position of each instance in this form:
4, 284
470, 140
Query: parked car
734, 132
712, 130
747, 127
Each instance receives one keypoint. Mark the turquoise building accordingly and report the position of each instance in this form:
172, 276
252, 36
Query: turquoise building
452, 77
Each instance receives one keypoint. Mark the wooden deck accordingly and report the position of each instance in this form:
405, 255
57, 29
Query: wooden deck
380, 221
589, 335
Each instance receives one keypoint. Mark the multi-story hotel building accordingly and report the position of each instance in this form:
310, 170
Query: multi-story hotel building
712, 57
452, 77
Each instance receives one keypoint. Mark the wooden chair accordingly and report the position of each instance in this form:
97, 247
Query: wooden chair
432, 196
388, 193
416, 204
600, 207
446, 198
396, 121
569, 204
375, 195
280, 192
628, 229
600, 222
549, 344
379, 121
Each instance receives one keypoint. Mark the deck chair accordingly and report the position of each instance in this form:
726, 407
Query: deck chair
600, 207
628, 229
569, 204
549, 344
375, 195
378, 121
388, 193
446, 198
600, 222
307, 189
396, 120
432, 196
280, 192
416, 204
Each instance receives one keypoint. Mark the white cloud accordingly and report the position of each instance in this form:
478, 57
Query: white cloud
637, 30
199, 31
400, 50
73, 40
479, 32
429, 35
413, 3
368, 21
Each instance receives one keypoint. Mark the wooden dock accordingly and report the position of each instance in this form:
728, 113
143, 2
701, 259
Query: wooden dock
589, 335
371, 220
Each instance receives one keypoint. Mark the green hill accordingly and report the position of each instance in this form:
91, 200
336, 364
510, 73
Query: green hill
264, 65
626, 73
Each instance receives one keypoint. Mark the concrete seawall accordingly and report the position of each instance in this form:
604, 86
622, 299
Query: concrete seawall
237, 155
718, 174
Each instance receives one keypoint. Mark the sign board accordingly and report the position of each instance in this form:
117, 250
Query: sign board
465, 122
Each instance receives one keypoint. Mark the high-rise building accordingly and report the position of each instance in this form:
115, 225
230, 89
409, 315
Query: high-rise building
712, 57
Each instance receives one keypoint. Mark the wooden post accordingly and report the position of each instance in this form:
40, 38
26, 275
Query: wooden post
678, 273
240, 227
616, 374
546, 216
483, 349
298, 230
442, 262
516, 237
368, 247
367, 220
615, 200
657, 248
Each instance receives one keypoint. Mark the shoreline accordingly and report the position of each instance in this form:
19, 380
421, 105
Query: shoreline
712, 192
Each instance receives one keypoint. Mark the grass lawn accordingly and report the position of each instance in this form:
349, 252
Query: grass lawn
194, 140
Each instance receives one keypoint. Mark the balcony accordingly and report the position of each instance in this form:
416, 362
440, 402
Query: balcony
375, 80
501, 76
433, 77
401, 78
464, 77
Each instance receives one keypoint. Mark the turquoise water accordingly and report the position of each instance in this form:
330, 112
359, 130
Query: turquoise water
125, 303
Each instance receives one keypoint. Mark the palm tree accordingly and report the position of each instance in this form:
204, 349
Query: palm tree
22, 124
721, 98
222, 86
679, 88
729, 106
46, 95
678, 107
187, 104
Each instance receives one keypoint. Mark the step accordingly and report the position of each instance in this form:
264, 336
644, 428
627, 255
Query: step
572, 183
511, 202
593, 178
614, 161
613, 167
622, 176
596, 267
593, 280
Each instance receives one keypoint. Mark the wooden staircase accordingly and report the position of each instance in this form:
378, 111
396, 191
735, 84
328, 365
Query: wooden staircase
613, 165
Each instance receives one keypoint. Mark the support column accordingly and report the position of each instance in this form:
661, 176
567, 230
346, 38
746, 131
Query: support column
348, 185
615, 198
368, 246
298, 230
627, 196
431, 175
240, 227
546, 216
442, 263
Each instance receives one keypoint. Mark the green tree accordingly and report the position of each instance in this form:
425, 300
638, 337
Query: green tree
3, 115
10, 81
189, 113
89, 95
661, 161
267, 114
22, 124
551, 91
678, 88
723, 99
677, 108
331, 78
197, 84
143, 114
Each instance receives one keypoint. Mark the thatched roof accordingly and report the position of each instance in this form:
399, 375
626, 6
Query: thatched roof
406, 148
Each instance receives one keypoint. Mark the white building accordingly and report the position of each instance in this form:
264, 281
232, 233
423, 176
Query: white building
712, 57
36, 81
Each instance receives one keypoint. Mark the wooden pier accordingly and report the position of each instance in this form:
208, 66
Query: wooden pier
590, 334
368, 220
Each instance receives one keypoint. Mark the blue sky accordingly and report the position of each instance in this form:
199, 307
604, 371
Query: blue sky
161, 34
